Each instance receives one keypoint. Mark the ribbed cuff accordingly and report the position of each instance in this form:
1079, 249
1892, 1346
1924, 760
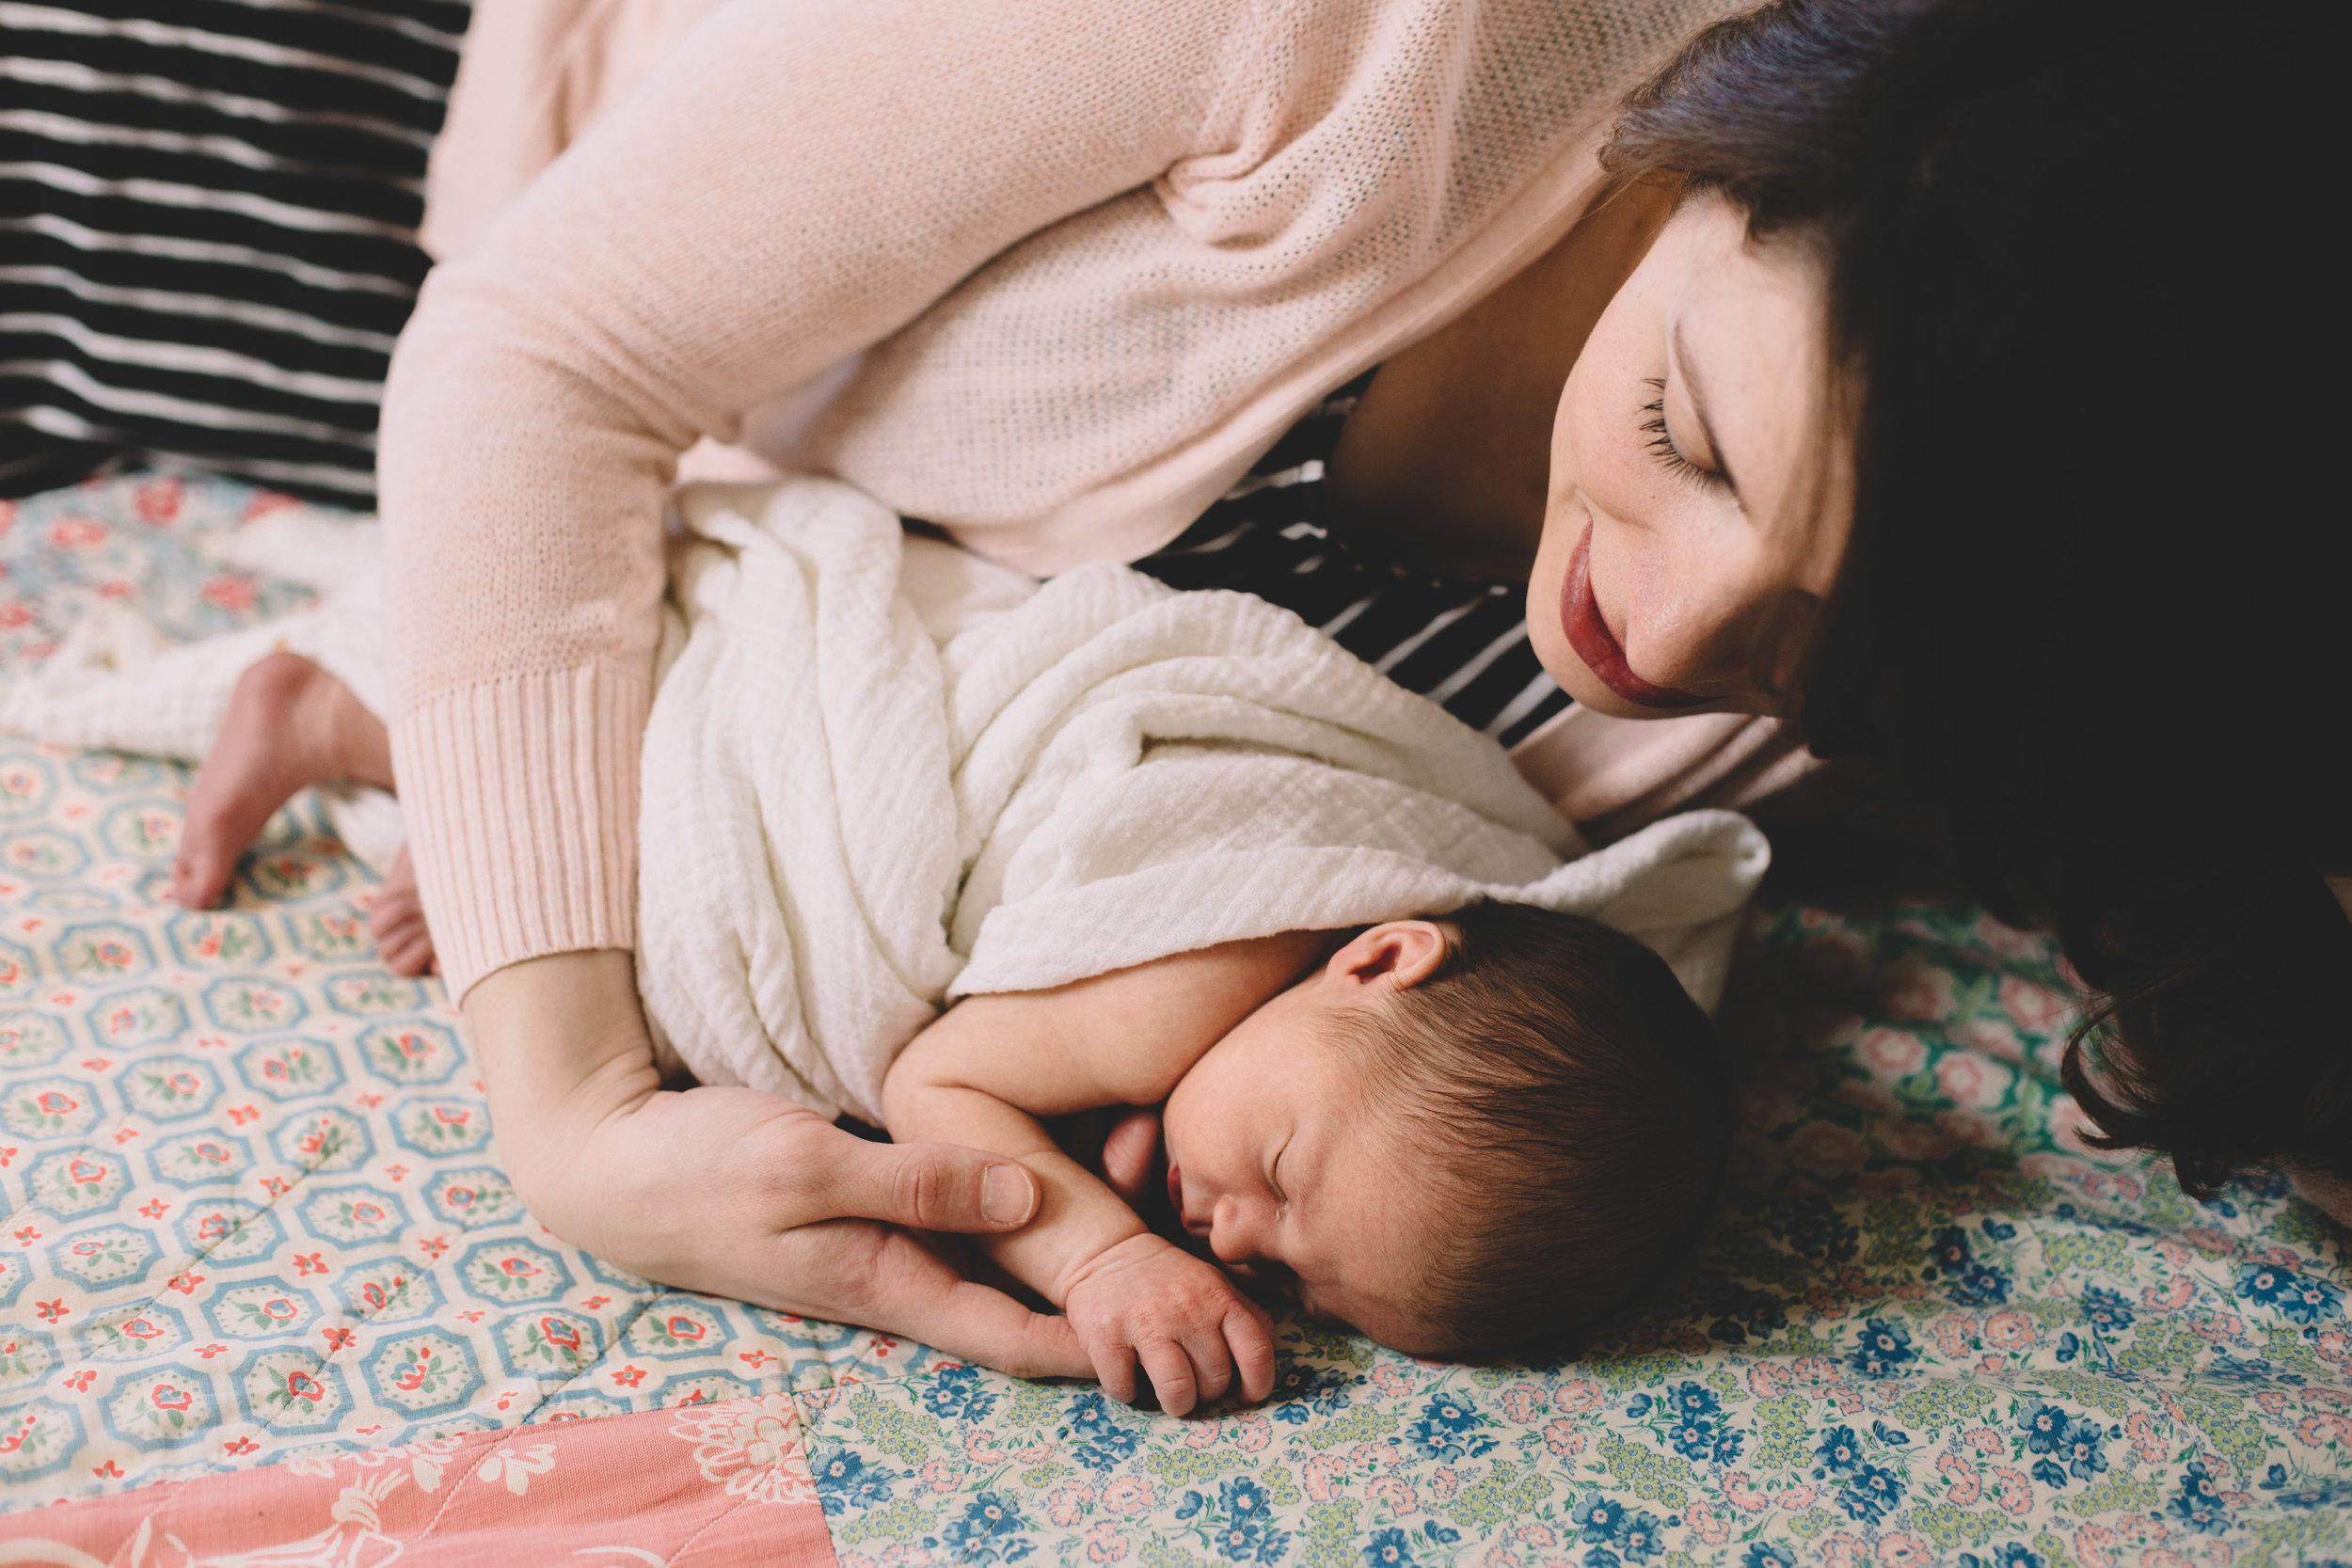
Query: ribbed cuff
521, 801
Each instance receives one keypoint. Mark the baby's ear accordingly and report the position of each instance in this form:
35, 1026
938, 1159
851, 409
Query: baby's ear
1396, 955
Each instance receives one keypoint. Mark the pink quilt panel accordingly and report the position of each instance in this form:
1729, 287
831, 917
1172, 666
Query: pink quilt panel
707, 1486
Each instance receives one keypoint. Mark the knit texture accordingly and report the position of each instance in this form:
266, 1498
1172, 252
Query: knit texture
1089, 257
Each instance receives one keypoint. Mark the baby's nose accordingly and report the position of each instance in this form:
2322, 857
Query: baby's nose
1235, 1230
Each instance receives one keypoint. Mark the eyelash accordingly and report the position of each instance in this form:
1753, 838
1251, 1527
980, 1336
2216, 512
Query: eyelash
1661, 441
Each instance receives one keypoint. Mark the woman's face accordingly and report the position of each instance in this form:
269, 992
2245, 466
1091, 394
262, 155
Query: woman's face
1700, 503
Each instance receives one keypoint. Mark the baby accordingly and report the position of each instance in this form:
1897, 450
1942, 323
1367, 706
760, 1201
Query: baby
1457, 1134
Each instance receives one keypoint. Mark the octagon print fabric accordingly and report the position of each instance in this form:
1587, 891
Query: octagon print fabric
253, 1210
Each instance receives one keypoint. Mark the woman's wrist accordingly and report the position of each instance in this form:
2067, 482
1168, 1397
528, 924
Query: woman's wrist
562, 1045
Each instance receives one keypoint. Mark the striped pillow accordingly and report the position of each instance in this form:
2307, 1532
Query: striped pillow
208, 212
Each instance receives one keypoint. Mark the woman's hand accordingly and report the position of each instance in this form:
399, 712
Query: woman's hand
734, 1190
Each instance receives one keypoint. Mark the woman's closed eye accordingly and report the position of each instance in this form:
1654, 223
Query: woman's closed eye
1665, 449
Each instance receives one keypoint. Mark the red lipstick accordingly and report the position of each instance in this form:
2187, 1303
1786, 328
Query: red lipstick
1597, 646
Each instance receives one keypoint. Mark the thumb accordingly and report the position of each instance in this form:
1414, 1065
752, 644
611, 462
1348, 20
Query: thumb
932, 1187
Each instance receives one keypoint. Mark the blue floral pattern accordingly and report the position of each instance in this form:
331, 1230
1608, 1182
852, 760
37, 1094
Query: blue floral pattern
1933, 1326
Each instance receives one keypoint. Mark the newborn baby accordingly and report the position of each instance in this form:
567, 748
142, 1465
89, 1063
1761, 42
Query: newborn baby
1457, 1135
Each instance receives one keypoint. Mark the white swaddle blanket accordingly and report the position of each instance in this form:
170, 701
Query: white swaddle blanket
881, 774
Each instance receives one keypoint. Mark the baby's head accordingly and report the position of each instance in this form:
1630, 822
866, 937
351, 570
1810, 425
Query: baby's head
1461, 1135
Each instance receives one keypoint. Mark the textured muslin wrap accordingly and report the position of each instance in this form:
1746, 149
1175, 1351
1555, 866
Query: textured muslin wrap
881, 774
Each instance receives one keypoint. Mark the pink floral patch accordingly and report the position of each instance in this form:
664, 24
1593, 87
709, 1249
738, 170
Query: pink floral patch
1973, 1081
1913, 990
1892, 1052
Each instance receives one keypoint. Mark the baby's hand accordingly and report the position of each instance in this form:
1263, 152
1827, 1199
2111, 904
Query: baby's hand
1192, 1329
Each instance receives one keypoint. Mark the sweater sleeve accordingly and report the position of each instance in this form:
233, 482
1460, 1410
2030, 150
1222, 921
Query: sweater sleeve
800, 179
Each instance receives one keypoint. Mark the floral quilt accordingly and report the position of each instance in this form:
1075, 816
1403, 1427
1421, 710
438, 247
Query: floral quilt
253, 1220
251, 1210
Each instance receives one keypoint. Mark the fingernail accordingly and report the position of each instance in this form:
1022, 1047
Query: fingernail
1007, 1195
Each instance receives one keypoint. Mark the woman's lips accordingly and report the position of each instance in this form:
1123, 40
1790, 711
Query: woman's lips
1596, 645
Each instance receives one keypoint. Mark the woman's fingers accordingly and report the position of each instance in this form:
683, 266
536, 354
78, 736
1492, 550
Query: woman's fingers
1128, 1149
927, 1186
909, 1291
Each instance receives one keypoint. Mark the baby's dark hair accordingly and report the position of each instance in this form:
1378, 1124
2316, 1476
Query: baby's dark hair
1573, 1103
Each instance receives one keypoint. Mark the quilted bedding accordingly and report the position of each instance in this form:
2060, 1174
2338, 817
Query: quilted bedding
254, 1221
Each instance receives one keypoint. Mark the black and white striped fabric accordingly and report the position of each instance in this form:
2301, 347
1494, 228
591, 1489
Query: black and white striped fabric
208, 212
207, 248
1460, 642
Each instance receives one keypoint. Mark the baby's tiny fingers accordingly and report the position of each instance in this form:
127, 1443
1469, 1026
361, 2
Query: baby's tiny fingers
1172, 1375
1114, 1368
1251, 1338
1205, 1347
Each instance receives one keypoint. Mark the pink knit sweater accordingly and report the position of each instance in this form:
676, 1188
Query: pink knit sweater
1065, 267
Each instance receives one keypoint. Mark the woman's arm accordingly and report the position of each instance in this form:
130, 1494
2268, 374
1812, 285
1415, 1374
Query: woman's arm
798, 182
733, 1190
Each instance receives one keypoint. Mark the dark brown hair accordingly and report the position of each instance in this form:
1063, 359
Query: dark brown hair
1572, 1100
2092, 610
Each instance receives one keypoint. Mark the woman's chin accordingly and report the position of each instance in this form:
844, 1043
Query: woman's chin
1559, 661
1549, 636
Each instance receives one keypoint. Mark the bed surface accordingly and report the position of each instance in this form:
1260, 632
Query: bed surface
254, 1220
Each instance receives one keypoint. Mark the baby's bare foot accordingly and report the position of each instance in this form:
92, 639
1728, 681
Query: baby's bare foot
290, 724
402, 939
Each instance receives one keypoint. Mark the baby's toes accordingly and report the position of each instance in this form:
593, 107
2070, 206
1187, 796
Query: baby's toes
199, 875
403, 941
407, 955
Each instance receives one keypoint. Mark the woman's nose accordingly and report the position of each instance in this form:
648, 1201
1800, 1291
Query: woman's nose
1699, 633
1685, 617
1712, 613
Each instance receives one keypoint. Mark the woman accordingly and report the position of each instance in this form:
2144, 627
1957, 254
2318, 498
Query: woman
2044, 623
1823, 439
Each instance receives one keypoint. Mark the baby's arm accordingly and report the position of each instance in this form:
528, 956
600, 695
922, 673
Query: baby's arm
991, 1065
